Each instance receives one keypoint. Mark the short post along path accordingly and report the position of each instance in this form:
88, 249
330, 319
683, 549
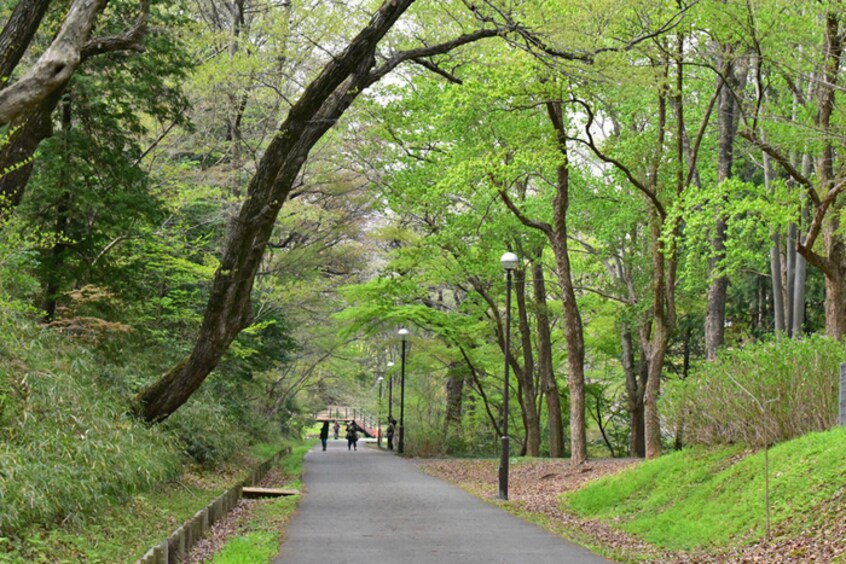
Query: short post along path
373, 507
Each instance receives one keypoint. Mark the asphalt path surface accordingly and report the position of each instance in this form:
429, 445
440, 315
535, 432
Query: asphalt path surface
373, 507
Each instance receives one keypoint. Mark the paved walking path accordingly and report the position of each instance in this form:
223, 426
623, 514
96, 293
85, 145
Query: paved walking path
372, 507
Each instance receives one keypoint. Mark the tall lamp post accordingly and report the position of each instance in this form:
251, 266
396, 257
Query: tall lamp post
380, 379
509, 262
403, 333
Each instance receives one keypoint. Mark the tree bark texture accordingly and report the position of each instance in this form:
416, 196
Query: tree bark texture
54, 68
547, 376
19, 32
454, 395
573, 334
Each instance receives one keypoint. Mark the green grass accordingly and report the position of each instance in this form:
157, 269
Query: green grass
704, 498
261, 536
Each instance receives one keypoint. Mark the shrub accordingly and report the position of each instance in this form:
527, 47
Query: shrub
67, 446
794, 381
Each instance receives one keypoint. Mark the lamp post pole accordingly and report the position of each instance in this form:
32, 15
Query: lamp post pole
403, 333
509, 263
380, 379
390, 393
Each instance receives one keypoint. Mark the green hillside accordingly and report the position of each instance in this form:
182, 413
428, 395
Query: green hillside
703, 498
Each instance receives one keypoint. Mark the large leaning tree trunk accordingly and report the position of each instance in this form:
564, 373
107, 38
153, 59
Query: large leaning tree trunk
319, 107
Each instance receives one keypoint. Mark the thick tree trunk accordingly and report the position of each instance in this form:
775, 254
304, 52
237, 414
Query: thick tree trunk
454, 396
55, 66
547, 376
18, 33
572, 317
525, 375
835, 282
29, 131
635, 386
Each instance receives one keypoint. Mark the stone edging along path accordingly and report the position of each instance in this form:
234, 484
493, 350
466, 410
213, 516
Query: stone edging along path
177, 546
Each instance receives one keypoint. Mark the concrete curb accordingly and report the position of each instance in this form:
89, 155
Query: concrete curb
176, 547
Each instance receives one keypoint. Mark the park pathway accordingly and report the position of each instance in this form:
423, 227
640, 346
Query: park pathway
372, 507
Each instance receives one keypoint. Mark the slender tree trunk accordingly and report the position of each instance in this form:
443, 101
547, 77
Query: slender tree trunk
658, 349
775, 261
529, 393
52, 286
790, 270
634, 393
715, 316
237, 102
547, 376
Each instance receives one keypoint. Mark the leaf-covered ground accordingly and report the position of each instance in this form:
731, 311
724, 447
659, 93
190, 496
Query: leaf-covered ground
535, 488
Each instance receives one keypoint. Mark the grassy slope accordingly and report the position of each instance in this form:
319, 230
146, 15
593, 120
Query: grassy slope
700, 498
124, 532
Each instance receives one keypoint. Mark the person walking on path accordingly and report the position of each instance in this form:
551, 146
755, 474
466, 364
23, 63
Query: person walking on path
391, 430
352, 437
324, 434
336, 427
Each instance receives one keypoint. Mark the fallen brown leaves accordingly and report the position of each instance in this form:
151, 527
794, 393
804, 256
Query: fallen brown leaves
535, 487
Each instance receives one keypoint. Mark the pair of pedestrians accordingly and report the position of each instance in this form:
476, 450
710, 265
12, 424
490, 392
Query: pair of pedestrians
352, 435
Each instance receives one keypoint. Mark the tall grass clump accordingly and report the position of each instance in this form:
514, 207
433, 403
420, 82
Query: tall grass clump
764, 393
67, 446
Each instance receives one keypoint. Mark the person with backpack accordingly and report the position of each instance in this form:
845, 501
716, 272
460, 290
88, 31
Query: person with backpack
352, 437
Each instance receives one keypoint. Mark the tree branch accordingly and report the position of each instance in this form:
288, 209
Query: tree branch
785, 164
55, 67
591, 144
129, 41
437, 70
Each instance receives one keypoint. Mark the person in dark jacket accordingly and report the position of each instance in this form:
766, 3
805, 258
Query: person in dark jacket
392, 424
352, 437
324, 434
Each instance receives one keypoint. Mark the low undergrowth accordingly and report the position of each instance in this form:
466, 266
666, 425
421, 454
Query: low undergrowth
124, 532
